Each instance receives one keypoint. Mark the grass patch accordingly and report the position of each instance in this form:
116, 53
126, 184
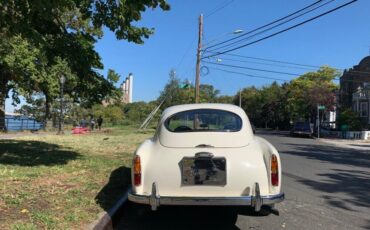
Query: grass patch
63, 182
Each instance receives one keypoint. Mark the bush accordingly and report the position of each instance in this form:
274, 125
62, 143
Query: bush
350, 118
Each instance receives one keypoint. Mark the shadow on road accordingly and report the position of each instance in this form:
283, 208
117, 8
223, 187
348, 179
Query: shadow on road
34, 153
119, 181
329, 153
272, 132
139, 217
354, 183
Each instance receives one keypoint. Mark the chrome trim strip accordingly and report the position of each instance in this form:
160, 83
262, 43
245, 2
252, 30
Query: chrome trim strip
206, 201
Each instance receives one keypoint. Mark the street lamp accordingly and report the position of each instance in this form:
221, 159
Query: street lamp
238, 31
62, 80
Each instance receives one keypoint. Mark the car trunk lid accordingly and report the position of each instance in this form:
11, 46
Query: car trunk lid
206, 139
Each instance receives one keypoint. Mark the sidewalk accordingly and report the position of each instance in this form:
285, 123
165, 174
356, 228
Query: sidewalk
353, 144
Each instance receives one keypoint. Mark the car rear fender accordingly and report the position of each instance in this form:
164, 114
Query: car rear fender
268, 150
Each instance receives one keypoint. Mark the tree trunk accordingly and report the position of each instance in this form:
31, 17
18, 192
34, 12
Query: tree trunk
3, 95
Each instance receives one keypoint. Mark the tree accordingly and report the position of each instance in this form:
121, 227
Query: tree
115, 97
351, 119
208, 93
137, 112
250, 102
39, 38
224, 99
112, 114
274, 111
174, 94
309, 90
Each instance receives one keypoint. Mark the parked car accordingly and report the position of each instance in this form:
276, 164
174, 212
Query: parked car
206, 154
302, 129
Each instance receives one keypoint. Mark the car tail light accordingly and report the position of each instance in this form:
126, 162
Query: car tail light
137, 171
274, 170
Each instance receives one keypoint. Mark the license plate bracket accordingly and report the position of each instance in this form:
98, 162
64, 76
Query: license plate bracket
202, 171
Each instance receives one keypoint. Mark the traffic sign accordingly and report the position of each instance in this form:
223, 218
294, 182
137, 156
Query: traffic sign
321, 107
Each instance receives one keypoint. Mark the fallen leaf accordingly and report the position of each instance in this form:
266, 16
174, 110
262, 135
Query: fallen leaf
24, 210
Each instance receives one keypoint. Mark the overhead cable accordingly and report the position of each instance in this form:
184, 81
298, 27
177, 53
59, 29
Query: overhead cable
271, 23
282, 31
255, 69
276, 61
268, 29
222, 6
249, 75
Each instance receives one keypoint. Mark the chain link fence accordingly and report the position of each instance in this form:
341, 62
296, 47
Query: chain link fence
20, 123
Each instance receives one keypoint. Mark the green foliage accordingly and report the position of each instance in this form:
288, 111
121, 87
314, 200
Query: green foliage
310, 89
35, 108
175, 94
274, 111
224, 99
111, 114
137, 112
112, 76
40, 40
172, 94
250, 102
208, 93
276, 105
351, 119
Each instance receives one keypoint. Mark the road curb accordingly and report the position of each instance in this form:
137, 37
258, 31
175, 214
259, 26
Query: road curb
106, 220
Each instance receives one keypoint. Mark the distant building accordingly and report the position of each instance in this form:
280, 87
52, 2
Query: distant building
351, 80
361, 102
127, 88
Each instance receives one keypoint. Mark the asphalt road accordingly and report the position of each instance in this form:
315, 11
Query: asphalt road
326, 187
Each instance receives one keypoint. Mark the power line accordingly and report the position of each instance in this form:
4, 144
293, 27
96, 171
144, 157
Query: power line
305, 66
271, 23
284, 30
272, 78
269, 64
222, 6
249, 75
186, 52
270, 28
255, 69
277, 61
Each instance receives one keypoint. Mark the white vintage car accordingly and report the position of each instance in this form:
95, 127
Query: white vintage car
206, 154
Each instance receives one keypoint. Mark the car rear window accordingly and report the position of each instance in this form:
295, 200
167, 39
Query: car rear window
204, 120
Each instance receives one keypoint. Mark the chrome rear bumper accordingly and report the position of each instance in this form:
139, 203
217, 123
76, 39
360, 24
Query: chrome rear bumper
255, 201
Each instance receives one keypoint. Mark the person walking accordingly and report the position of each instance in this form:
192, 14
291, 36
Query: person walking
100, 122
92, 124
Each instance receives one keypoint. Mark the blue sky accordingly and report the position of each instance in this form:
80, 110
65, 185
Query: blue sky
340, 39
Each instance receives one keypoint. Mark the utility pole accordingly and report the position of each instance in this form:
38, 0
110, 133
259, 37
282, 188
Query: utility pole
318, 121
197, 69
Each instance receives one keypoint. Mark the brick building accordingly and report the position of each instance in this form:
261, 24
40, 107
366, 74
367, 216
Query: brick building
361, 102
351, 80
